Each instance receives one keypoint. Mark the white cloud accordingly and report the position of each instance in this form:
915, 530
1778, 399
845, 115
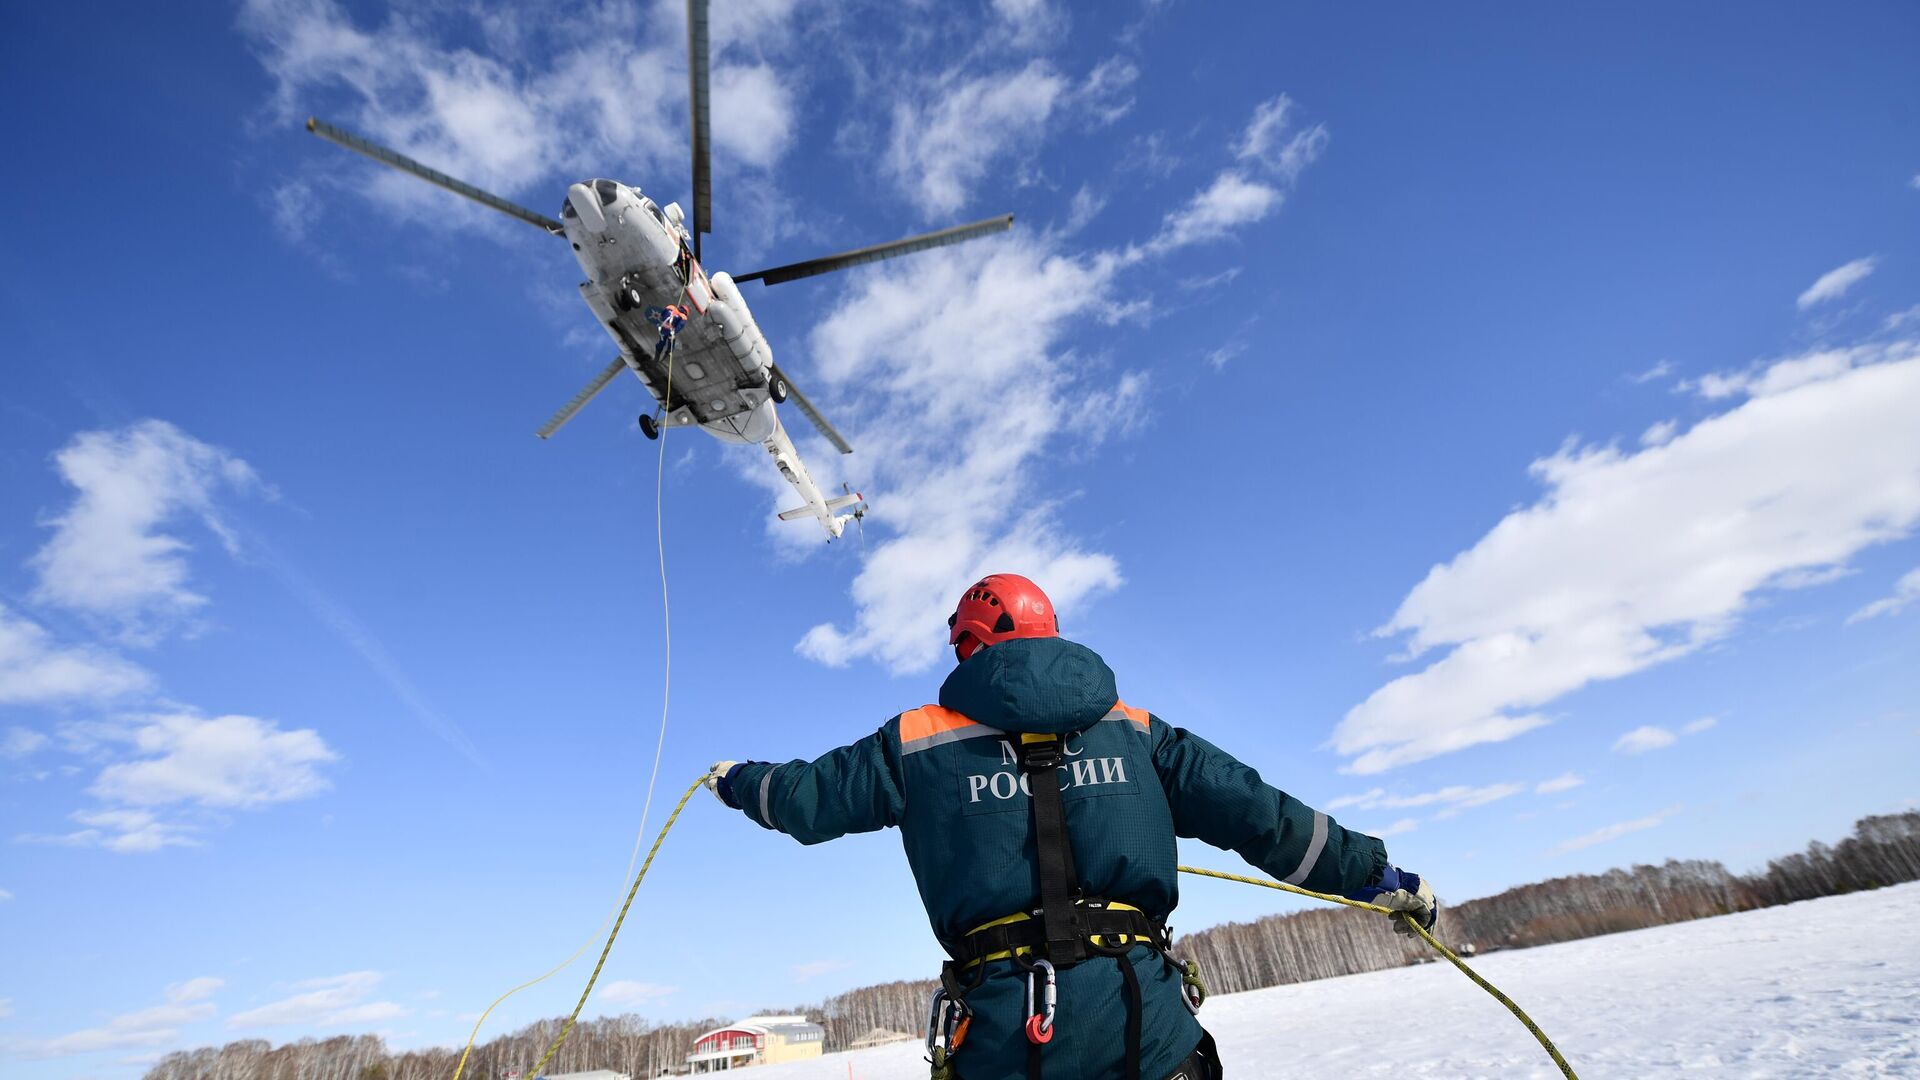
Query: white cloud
223, 761
629, 992
1236, 197
1404, 825
752, 114
156, 1026
1632, 560
963, 128
18, 742
1705, 723
192, 990
1645, 738
1219, 356
1779, 376
952, 131
5, 895
1905, 591
1457, 795
1658, 371
1231, 201
1834, 283
1563, 782
124, 831
578, 96
109, 555
1614, 832
1265, 141
333, 1002
1659, 434
34, 670
944, 342
1030, 18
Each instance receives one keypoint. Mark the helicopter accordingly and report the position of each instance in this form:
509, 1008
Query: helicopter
642, 266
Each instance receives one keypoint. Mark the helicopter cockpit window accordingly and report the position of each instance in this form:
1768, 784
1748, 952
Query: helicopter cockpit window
608, 191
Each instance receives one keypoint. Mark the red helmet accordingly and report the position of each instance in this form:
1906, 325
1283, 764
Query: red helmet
997, 608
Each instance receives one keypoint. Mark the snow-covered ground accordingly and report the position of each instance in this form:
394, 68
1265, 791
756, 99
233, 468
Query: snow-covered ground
1824, 988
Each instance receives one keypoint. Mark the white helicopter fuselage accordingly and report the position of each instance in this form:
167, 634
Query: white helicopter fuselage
719, 373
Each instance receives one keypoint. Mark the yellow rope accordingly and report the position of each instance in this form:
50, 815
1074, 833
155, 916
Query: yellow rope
582, 1003
666, 690
1552, 1051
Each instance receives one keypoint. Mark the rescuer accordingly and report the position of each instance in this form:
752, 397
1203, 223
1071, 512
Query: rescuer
1038, 811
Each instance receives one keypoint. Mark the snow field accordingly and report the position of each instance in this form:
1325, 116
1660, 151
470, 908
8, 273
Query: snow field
1828, 987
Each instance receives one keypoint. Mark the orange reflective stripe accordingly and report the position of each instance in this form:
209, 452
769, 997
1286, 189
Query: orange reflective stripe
1138, 716
930, 720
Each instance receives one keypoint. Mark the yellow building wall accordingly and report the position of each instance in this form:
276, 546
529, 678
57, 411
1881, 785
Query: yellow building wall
779, 1050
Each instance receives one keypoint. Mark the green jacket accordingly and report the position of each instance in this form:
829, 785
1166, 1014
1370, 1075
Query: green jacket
946, 775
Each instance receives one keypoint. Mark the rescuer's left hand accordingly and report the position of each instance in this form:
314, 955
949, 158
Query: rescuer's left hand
1405, 891
717, 781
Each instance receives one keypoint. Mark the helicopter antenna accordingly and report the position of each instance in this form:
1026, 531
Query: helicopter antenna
697, 79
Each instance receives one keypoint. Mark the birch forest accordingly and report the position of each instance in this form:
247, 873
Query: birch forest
1314, 944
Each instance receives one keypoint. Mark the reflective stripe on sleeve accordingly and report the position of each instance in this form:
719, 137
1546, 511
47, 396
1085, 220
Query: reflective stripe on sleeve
1313, 850
766, 812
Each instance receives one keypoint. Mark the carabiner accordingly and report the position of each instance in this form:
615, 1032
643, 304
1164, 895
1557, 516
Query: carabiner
1040, 1024
947, 1018
1192, 990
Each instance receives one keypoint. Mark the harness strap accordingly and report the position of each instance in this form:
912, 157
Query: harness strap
1109, 927
1133, 1016
1060, 922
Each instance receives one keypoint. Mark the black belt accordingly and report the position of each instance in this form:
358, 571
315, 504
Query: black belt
1110, 931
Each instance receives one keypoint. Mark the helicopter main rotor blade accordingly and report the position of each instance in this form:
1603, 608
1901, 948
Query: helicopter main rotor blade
565, 412
794, 395
432, 176
697, 79
861, 256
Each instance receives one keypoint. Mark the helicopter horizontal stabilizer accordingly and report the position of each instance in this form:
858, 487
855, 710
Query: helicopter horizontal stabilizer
599, 383
838, 502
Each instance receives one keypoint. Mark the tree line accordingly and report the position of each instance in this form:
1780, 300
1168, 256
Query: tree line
1883, 850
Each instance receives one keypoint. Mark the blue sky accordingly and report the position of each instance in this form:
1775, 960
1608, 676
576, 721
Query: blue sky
1498, 429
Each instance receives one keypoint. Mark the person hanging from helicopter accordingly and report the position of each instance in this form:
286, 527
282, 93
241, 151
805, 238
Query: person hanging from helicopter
1038, 812
671, 320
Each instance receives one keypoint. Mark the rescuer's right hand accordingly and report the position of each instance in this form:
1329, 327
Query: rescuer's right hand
718, 779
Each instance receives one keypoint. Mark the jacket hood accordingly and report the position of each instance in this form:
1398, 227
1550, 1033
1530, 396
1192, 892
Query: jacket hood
1040, 685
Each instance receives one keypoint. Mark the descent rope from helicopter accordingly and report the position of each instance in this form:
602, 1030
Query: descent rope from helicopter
1452, 958
646, 807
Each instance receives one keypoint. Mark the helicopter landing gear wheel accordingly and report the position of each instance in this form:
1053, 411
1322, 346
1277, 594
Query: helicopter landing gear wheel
777, 389
648, 427
627, 296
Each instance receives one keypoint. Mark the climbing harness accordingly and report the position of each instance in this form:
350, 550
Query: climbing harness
646, 807
1066, 929
1407, 917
